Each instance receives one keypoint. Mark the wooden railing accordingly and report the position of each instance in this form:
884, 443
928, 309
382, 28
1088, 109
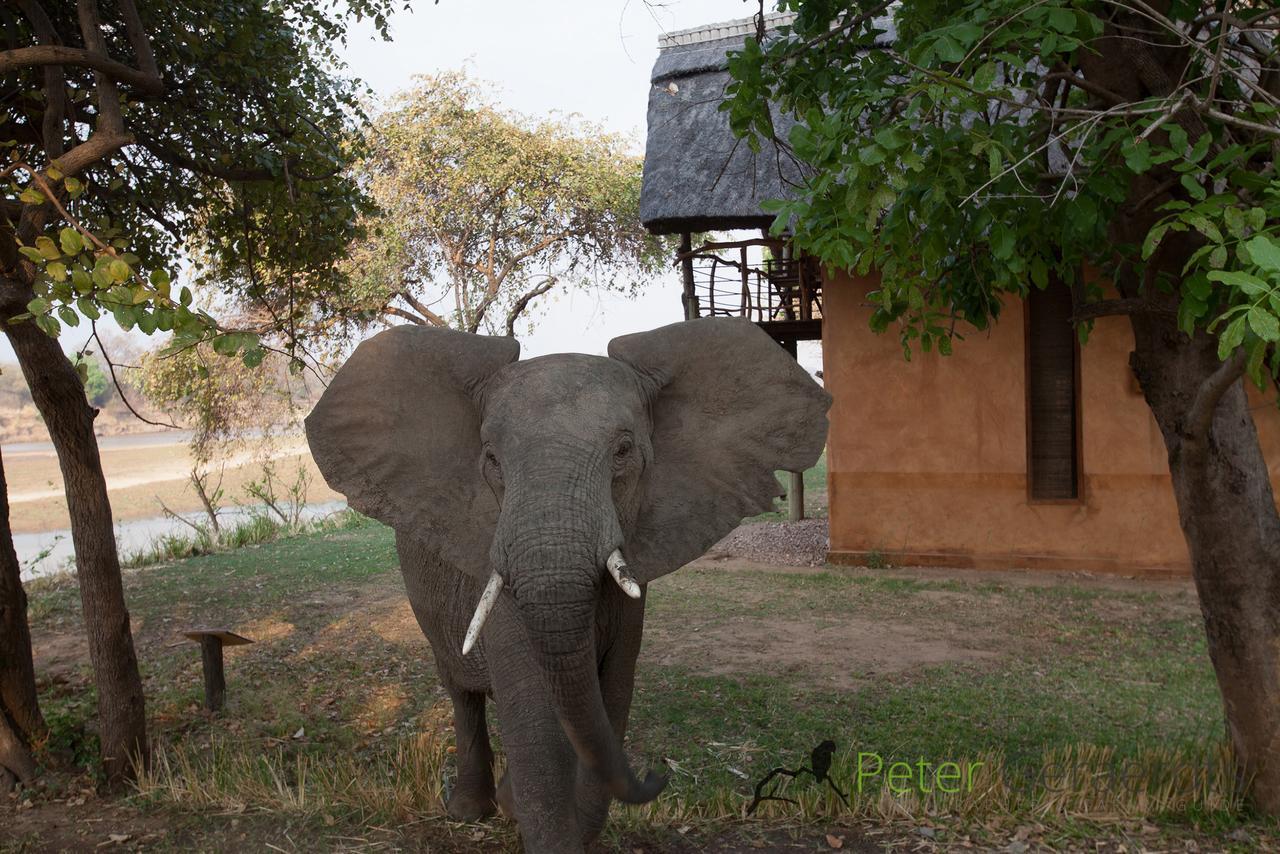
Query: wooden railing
757, 279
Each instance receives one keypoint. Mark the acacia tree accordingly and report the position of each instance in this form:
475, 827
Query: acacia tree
482, 211
212, 128
967, 149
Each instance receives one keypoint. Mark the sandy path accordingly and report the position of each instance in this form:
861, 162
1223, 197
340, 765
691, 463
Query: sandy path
177, 470
139, 478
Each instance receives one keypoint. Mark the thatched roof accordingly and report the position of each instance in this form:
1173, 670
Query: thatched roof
697, 175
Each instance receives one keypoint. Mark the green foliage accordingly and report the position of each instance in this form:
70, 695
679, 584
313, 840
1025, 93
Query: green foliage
988, 146
483, 210
222, 401
98, 387
235, 165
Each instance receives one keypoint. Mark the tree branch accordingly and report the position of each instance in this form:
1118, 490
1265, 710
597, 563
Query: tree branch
1116, 307
407, 315
1085, 85
523, 303
50, 54
422, 309
1200, 415
119, 390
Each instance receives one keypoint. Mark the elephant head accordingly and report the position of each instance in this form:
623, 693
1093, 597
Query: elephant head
549, 477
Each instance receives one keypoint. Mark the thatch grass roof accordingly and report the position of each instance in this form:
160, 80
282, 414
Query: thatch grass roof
697, 175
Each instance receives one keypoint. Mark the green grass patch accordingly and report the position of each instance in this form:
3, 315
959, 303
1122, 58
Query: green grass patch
336, 707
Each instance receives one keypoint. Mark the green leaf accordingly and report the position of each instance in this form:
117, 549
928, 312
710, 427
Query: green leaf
1233, 218
1231, 337
31, 196
57, 271
1190, 310
871, 154
889, 138
81, 280
1002, 241
948, 49
1138, 156
68, 315
47, 248
118, 270
1062, 20
1200, 149
1039, 273
1247, 282
70, 241
1202, 224
1265, 252
1253, 365
1152, 241
39, 305
1264, 324
983, 78
1193, 187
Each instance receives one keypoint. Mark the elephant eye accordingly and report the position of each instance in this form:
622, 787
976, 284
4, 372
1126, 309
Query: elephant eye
624, 449
492, 460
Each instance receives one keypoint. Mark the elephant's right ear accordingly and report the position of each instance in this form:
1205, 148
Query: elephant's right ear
398, 433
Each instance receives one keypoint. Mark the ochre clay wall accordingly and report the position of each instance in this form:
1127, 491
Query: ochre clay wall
927, 459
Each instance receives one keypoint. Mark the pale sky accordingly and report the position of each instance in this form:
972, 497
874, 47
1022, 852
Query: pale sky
589, 57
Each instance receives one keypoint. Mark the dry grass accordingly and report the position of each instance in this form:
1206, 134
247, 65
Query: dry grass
1077, 784
404, 784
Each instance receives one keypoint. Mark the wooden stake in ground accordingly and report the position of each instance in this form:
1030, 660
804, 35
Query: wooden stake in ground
211, 643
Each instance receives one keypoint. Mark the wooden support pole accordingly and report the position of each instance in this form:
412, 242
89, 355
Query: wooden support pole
690, 299
795, 497
795, 492
215, 682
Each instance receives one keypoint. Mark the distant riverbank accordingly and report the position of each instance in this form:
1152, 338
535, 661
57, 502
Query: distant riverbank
142, 471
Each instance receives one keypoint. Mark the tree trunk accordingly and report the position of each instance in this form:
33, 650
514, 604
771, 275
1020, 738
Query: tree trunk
59, 397
21, 723
1228, 515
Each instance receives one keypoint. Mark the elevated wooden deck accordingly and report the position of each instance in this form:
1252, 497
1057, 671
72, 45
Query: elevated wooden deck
757, 279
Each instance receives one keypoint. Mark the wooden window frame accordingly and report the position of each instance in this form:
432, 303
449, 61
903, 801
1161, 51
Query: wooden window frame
1081, 480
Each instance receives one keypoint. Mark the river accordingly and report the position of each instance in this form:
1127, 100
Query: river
48, 552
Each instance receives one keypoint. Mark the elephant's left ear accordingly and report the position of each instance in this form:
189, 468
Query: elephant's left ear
730, 407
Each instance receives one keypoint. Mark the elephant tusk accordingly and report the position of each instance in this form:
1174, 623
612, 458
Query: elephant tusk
487, 598
618, 569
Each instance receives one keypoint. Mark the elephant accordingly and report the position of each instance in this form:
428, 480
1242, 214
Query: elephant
533, 502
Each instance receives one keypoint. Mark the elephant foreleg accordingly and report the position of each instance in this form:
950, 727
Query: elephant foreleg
473, 795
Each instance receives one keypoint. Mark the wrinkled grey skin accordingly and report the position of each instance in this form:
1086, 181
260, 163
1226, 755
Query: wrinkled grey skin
538, 470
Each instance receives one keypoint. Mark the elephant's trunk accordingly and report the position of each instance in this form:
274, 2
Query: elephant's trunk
560, 620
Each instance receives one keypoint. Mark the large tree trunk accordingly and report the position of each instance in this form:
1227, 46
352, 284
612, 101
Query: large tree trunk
1228, 514
59, 396
20, 721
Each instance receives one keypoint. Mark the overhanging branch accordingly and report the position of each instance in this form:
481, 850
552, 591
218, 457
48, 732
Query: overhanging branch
36, 56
